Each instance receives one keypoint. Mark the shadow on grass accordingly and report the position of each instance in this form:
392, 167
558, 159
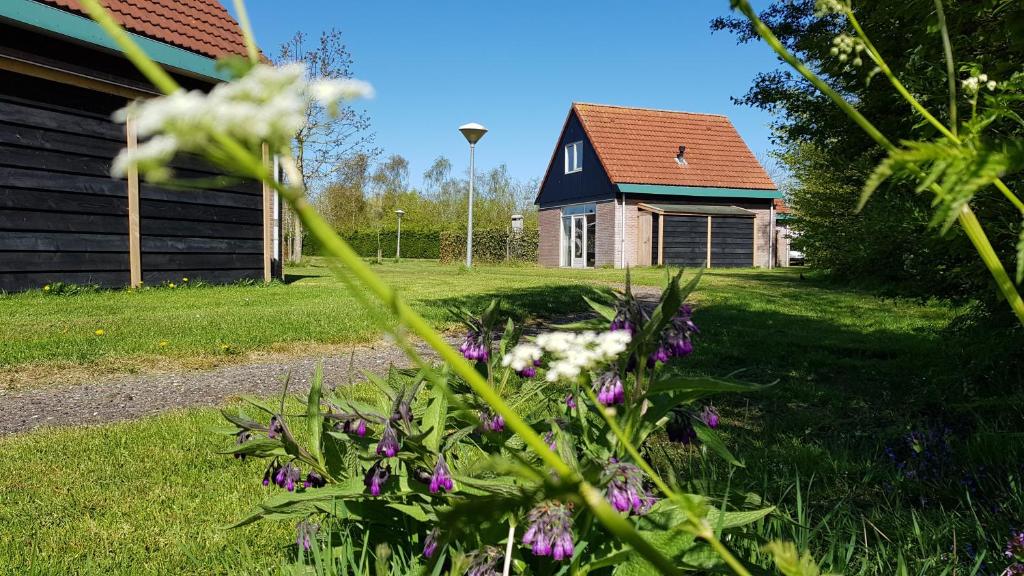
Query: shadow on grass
533, 303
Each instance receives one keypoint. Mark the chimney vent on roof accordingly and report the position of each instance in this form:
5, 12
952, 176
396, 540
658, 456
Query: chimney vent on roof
681, 157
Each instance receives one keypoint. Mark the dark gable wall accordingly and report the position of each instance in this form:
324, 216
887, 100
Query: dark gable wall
590, 185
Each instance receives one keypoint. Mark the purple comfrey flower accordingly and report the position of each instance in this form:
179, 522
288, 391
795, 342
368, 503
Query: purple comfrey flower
314, 480
388, 445
570, 401
270, 472
549, 439
1015, 547
442, 478
276, 427
528, 372
357, 427
609, 389
709, 416
377, 476
485, 562
680, 429
431, 542
491, 422
550, 530
676, 338
475, 346
625, 488
306, 534
241, 438
287, 476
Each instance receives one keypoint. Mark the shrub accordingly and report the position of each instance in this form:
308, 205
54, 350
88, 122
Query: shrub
491, 245
415, 243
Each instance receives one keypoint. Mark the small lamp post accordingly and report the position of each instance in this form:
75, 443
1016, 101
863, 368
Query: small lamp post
398, 244
473, 133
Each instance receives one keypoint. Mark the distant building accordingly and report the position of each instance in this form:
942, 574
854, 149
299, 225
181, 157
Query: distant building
641, 187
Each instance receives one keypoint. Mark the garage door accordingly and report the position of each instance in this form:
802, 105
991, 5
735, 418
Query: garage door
686, 240
732, 242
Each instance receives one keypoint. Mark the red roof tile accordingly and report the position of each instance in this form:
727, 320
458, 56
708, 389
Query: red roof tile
639, 146
201, 26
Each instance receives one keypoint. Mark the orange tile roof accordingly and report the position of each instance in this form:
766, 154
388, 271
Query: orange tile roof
639, 146
201, 26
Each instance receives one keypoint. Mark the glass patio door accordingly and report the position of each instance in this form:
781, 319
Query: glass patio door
579, 241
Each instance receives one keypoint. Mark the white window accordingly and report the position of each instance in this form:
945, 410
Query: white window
574, 157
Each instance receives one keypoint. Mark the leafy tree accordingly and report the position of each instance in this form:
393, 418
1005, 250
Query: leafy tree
830, 158
326, 140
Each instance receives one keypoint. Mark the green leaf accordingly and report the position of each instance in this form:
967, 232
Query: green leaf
671, 543
608, 312
789, 561
435, 418
669, 381
720, 521
414, 511
314, 416
258, 447
1020, 255
713, 441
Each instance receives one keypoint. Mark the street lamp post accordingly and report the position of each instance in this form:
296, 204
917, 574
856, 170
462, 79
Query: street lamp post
398, 243
473, 133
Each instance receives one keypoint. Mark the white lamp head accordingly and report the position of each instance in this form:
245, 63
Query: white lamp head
473, 132
400, 212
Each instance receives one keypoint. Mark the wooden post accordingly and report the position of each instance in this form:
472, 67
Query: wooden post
709, 242
268, 218
661, 239
134, 232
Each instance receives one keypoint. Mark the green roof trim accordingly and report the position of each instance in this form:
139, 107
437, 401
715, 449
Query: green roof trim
697, 191
84, 29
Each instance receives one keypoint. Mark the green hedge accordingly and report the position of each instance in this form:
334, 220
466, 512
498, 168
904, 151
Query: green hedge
415, 244
491, 245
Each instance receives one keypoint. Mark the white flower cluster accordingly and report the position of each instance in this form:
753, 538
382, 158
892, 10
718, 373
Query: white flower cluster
826, 7
973, 84
268, 104
571, 352
844, 46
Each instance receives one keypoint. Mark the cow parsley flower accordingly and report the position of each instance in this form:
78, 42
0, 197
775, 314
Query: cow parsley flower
267, 105
572, 353
524, 359
826, 7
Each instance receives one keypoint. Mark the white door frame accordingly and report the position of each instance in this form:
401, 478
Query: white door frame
579, 261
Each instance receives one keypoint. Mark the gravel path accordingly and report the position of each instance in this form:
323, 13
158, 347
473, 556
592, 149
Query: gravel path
130, 397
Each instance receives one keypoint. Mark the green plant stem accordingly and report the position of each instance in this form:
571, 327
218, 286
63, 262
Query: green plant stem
966, 217
947, 53
250, 40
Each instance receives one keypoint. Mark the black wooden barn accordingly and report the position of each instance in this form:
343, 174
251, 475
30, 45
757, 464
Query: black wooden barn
62, 216
640, 187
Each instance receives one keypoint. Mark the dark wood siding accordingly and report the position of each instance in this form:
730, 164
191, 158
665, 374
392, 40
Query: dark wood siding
589, 185
686, 240
63, 218
655, 228
732, 242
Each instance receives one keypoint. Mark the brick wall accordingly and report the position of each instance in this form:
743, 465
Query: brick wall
607, 234
549, 222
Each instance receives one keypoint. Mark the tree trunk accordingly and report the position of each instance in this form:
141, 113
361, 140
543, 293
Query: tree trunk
296, 254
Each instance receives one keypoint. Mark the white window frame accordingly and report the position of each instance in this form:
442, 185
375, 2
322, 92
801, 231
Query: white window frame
577, 156
566, 213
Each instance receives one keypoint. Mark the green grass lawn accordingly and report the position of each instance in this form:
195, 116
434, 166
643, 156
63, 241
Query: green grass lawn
854, 370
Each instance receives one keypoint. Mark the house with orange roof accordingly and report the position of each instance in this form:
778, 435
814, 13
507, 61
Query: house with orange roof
62, 217
641, 187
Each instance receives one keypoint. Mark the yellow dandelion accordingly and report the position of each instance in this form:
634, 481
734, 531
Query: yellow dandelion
171, 285
184, 279
224, 347
164, 343
46, 288
100, 332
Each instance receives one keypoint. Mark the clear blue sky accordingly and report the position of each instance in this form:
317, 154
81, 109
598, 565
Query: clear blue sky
516, 67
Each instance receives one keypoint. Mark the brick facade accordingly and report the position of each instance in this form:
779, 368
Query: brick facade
548, 222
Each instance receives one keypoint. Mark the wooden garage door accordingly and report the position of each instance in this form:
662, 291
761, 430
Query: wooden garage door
686, 240
732, 242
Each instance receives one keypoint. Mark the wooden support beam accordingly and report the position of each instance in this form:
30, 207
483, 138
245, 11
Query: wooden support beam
55, 74
268, 219
134, 231
661, 240
709, 242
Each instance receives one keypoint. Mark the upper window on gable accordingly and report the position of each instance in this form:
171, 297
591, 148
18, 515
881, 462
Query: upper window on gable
574, 157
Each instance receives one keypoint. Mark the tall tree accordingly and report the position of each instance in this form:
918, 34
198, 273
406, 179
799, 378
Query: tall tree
389, 182
325, 140
343, 202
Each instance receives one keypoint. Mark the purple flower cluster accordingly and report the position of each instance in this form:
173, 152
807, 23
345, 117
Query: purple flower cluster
377, 476
431, 542
356, 426
306, 534
549, 439
1014, 553
550, 530
570, 401
314, 480
625, 488
609, 388
491, 422
286, 476
922, 455
241, 438
442, 478
476, 346
676, 338
709, 416
276, 427
388, 445
529, 371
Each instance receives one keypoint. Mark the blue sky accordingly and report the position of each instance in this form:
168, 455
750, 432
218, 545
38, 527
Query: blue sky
516, 67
